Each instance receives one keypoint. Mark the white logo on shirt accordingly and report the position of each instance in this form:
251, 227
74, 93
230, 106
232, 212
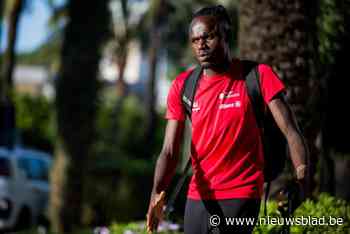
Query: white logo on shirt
235, 104
195, 107
229, 94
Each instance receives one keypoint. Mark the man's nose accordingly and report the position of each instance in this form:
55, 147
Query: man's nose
202, 43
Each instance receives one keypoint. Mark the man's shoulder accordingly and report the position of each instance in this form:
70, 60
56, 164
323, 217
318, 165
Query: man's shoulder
262, 67
181, 77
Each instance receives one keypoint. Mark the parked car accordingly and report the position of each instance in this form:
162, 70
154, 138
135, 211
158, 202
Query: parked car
24, 187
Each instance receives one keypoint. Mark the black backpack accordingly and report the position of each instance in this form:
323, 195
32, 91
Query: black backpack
274, 142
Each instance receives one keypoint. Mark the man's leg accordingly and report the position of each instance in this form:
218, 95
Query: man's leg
247, 210
196, 216
211, 216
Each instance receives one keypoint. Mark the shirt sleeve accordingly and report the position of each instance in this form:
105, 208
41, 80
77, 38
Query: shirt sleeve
270, 83
175, 109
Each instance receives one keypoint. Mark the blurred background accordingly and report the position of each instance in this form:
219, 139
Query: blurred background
85, 82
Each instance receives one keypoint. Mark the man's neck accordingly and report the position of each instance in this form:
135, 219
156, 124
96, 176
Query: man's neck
217, 69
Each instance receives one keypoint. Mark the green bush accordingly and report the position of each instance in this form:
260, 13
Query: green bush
35, 121
325, 207
271, 212
319, 211
121, 169
121, 130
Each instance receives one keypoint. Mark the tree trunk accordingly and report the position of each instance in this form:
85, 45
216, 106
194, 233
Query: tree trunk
334, 49
120, 57
327, 166
8, 115
121, 84
76, 93
279, 33
159, 10
9, 56
122, 38
1, 16
151, 88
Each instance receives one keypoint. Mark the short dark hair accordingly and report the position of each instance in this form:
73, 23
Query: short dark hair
221, 14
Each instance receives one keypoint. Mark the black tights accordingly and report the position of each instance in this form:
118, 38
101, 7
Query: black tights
202, 216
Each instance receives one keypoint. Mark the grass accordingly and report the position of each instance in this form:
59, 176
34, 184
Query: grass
115, 228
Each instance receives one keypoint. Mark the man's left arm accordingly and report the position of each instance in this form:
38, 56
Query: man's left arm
286, 121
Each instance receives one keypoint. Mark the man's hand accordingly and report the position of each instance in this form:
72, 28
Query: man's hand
164, 171
155, 211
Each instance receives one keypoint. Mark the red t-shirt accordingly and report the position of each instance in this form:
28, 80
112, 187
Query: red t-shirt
226, 152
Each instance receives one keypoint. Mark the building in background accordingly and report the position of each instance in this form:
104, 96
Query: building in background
33, 80
137, 73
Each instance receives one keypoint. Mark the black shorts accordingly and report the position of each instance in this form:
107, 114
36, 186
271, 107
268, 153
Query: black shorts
215, 216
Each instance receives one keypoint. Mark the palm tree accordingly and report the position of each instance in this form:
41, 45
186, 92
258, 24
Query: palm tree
119, 49
76, 90
121, 40
280, 33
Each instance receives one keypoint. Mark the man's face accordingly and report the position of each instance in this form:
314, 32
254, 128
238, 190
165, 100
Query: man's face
207, 42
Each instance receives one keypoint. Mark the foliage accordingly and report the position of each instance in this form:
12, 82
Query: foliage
35, 231
333, 52
271, 212
122, 133
134, 227
325, 206
35, 120
331, 24
120, 169
119, 228
114, 228
47, 54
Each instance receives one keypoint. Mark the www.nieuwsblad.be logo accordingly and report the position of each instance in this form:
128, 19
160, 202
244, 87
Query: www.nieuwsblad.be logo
215, 221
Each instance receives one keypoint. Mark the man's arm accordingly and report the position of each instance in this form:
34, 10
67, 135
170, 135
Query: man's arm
168, 157
286, 121
165, 169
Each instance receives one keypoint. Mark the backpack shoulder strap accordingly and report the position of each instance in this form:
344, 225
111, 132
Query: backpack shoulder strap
189, 89
188, 92
251, 76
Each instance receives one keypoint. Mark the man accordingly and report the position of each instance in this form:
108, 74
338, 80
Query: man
226, 152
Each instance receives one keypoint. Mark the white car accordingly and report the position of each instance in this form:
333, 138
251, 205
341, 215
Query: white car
24, 187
